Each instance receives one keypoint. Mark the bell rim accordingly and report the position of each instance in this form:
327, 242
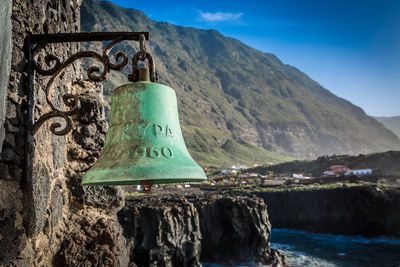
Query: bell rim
155, 181
133, 175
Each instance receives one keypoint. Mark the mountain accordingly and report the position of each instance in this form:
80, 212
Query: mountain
392, 123
231, 95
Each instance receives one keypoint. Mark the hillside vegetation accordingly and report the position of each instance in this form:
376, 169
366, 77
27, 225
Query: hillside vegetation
386, 163
237, 103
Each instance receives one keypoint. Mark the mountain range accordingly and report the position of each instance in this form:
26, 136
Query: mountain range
238, 104
392, 123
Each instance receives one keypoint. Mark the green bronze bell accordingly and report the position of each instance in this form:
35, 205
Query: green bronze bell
144, 143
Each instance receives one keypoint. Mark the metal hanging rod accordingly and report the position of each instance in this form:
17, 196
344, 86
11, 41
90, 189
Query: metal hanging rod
36, 42
86, 37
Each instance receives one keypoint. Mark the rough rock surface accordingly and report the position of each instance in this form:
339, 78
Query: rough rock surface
11, 230
235, 229
80, 226
46, 217
161, 231
84, 147
176, 230
93, 236
90, 241
32, 169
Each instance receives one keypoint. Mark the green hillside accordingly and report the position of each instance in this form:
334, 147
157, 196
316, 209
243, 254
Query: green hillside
229, 93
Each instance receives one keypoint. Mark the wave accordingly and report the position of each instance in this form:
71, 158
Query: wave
309, 249
299, 258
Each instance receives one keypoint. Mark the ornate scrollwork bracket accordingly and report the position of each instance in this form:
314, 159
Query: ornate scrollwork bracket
36, 42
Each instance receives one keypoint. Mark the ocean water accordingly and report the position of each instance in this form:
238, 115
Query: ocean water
305, 249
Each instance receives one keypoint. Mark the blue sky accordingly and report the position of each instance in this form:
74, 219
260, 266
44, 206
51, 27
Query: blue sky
352, 48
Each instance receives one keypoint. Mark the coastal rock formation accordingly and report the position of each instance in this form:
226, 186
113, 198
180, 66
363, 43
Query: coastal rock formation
176, 230
360, 210
235, 229
161, 231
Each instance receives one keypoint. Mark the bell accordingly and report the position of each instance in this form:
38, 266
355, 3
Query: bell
144, 144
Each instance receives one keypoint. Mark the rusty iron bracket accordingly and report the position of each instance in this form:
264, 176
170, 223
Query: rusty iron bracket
36, 42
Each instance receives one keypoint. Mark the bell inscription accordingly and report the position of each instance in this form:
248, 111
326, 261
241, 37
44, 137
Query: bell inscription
133, 129
151, 152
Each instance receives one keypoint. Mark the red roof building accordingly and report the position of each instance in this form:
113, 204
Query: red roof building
339, 168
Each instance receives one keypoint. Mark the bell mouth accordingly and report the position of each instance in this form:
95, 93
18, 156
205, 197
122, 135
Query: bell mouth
136, 175
163, 181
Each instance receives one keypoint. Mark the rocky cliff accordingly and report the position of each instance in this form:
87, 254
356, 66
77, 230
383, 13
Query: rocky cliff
360, 210
234, 99
176, 230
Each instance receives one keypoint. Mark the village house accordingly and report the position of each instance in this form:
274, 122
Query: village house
228, 172
250, 174
239, 167
339, 169
300, 176
330, 174
283, 176
336, 170
358, 172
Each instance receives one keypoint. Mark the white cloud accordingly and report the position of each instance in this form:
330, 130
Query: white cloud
220, 16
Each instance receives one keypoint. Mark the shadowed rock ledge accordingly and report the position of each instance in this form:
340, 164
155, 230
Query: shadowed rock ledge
363, 210
176, 230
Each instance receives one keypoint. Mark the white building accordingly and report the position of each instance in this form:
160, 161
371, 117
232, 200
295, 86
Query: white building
241, 167
249, 174
234, 167
358, 172
228, 171
329, 174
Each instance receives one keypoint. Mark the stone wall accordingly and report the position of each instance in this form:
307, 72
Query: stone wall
47, 218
